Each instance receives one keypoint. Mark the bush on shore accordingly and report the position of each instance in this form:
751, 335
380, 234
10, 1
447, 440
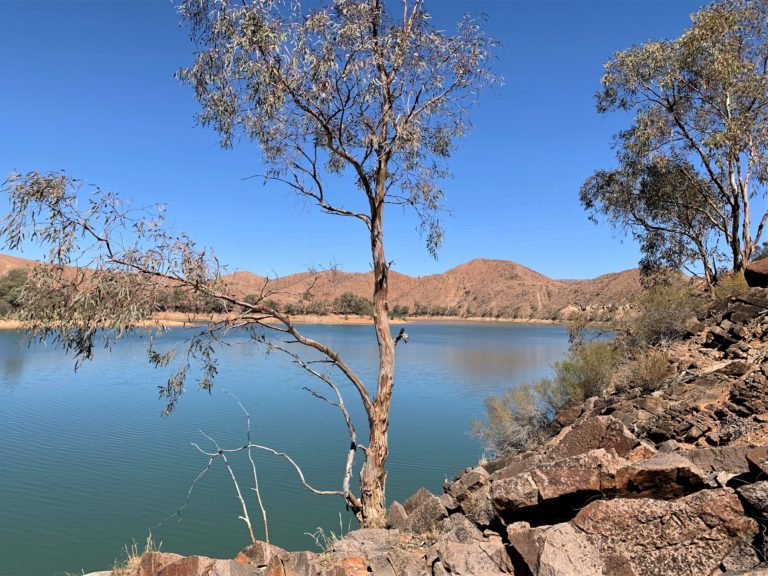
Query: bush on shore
524, 416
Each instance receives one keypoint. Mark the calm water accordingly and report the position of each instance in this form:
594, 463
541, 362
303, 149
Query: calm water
87, 465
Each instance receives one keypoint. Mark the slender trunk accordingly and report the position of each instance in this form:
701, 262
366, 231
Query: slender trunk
747, 247
738, 261
740, 210
374, 476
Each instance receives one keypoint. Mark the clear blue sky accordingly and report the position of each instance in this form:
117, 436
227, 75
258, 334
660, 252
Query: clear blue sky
89, 87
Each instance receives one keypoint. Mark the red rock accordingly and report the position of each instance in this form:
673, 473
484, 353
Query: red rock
258, 554
593, 433
758, 458
356, 566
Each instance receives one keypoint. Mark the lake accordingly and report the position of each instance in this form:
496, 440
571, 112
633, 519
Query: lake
89, 465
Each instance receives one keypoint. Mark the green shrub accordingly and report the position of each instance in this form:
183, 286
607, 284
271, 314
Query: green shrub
348, 303
523, 417
660, 315
517, 421
11, 285
293, 309
399, 311
588, 371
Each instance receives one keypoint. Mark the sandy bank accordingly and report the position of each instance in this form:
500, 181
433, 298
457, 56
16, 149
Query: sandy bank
182, 320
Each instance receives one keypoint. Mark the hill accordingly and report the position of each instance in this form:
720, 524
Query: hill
478, 288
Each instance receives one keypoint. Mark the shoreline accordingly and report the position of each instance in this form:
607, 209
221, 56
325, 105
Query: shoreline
167, 320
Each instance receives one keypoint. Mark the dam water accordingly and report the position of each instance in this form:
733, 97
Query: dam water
89, 466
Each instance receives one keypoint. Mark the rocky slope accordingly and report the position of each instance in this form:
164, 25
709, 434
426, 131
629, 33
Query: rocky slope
669, 481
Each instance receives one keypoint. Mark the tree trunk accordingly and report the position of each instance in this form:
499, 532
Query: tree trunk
373, 476
738, 260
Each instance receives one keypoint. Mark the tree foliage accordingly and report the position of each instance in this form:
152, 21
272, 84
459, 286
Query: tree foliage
348, 87
696, 153
11, 285
348, 303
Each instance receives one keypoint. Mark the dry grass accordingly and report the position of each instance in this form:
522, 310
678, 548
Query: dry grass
129, 565
650, 369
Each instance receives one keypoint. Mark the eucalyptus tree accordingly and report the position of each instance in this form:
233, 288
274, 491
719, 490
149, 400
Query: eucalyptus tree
659, 205
700, 105
356, 105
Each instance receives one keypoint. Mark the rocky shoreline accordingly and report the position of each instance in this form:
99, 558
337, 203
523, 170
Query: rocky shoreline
670, 481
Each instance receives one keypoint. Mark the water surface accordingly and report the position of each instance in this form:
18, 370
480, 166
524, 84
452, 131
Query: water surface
88, 464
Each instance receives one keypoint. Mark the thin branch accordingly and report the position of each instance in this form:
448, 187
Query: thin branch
253, 467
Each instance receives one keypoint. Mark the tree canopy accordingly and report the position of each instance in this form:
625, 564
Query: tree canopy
696, 153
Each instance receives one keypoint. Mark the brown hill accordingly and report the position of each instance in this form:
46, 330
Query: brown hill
478, 288
8, 263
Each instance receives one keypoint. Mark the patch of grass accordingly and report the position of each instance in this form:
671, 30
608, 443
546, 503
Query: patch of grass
327, 540
650, 369
729, 285
129, 565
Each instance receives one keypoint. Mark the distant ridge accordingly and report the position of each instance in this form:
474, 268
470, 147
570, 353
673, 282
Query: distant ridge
478, 288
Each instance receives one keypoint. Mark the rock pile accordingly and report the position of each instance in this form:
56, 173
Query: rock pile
672, 481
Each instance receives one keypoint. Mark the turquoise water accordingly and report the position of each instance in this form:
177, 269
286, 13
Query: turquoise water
87, 465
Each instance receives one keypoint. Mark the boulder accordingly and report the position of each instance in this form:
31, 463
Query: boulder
458, 528
515, 466
695, 535
426, 515
564, 550
368, 540
471, 479
596, 432
567, 415
152, 562
477, 506
484, 557
642, 451
258, 554
202, 566
689, 536
417, 499
664, 476
590, 472
449, 502
756, 495
720, 459
515, 493
398, 562
758, 459
397, 517
295, 564
471, 491
382, 552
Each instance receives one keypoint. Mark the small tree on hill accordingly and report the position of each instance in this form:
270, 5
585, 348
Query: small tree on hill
355, 107
701, 124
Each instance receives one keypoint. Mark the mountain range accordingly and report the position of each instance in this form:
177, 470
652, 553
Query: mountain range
478, 288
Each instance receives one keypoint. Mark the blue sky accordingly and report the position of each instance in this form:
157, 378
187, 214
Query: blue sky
88, 86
